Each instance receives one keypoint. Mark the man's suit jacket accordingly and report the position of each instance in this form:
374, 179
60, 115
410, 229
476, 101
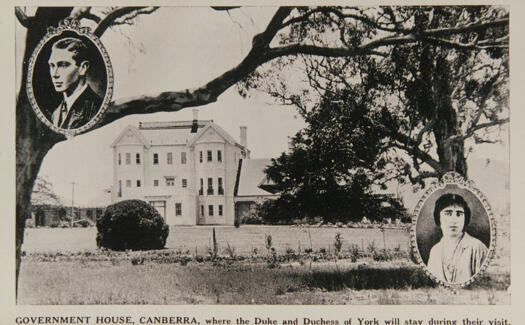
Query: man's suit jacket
84, 109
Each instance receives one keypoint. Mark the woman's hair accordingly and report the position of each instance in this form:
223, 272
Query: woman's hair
447, 200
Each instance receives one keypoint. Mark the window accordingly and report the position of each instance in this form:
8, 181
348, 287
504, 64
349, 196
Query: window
137, 158
170, 158
219, 156
178, 209
210, 210
119, 159
210, 186
160, 206
184, 183
220, 209
221, 189
155, 159
155, 182
202, 210
170, 180
209, 156
183, 158
201, 190
128, 183
119, 188
128, 158
200, 156
138, 182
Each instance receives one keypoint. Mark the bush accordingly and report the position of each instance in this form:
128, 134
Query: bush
131, 224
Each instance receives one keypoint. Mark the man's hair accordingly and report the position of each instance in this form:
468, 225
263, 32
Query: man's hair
74, 45
447, 200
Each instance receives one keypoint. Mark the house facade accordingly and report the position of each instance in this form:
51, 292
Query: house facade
186, 169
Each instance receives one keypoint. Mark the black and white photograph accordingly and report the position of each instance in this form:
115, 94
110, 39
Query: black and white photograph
262, 155
69, 78
454, 230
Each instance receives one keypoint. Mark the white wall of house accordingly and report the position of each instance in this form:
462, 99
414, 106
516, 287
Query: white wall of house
161, 178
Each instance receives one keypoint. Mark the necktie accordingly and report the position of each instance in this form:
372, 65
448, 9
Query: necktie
63, 113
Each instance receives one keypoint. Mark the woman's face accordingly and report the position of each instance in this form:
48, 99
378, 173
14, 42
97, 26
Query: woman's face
452, 220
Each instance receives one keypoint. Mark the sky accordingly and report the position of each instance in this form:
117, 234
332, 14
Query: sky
172, 49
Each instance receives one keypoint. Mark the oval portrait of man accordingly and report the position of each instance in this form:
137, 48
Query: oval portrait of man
453, 235
70, 80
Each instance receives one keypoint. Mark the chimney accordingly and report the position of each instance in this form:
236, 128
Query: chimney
195, 124
244, 141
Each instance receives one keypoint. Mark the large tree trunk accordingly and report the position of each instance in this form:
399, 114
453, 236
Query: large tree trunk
451, 153
33, 138
435, 103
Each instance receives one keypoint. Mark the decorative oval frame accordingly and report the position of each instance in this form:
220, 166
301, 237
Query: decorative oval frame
72, 26
453, 178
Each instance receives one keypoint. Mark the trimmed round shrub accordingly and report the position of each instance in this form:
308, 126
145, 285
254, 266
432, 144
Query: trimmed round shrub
131, 224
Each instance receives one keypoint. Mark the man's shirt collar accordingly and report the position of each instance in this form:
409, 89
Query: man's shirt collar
74, 96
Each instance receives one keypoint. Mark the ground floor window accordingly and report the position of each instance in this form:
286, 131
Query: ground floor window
178, 209
160, 206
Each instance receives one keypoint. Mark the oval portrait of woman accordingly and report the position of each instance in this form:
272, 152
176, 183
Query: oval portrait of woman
70, 80
453, 234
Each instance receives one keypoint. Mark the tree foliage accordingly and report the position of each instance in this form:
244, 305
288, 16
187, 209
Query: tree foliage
424, 101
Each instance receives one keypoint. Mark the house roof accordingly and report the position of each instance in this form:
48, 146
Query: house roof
173, 133
252, 176
217, 129
135, 131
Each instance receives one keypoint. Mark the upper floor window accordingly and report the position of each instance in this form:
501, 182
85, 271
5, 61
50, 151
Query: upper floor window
178, 209
119, 158
138, 182
202, 210
155, 159
128, 158
184, 183
210, 210
170, 181
210, 186
170, 158
201, 190
220, 209
137, 158
220, 189
209, 155
119, 188
183, 158
155, 182
200, 156
219, 156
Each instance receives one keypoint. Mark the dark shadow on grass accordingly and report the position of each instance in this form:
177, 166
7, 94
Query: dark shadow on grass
492, 281
369, 278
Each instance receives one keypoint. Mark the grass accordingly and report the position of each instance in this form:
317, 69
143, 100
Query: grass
244, 239
252, 265
119, 281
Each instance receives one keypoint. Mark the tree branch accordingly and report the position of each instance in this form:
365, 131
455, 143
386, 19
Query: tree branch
113, 16
23, 19
475, 128
84, 12
174, 101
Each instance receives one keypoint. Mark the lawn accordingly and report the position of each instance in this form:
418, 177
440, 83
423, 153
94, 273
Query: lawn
244, 239
63, 266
